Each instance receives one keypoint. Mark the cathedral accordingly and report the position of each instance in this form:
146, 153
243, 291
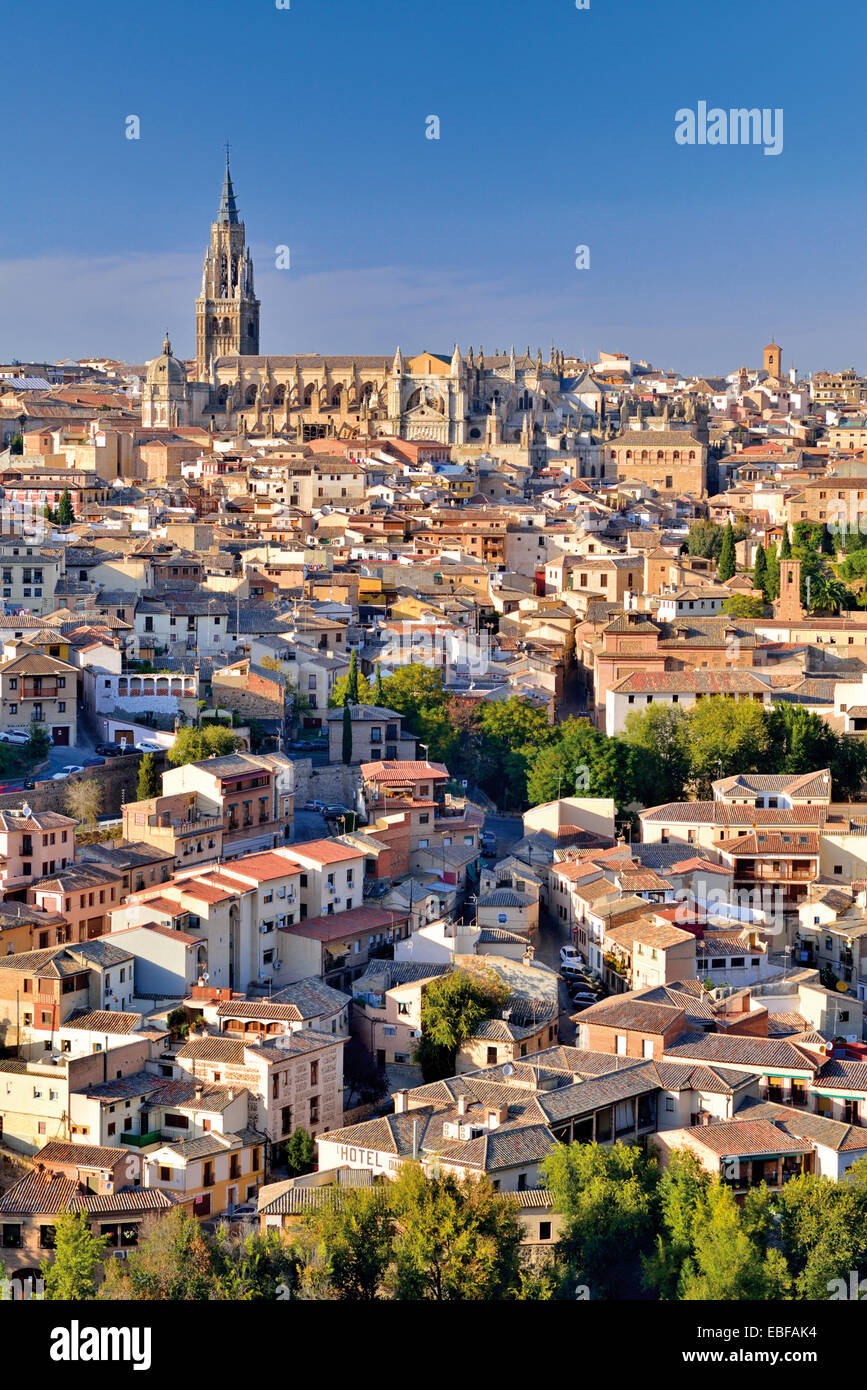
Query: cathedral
473, 400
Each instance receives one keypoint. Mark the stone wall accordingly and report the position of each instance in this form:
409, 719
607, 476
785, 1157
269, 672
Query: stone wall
118, 778
335, 783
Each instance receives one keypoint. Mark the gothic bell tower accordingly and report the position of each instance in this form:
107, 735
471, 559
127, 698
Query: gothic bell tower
227, 310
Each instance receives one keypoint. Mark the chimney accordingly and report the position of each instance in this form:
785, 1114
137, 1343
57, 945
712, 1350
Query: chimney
401, 1105
231, 1093
463, 1101
200, 1090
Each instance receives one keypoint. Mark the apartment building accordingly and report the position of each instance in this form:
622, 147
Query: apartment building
242, 792
35, 688
294, 1078
32, 844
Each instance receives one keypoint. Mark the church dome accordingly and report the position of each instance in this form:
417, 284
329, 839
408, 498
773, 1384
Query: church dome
166, 370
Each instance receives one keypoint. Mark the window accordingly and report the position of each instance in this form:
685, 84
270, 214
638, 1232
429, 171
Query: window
647, 1047
314, 1110
544, 1230
314, 1073
621, 1044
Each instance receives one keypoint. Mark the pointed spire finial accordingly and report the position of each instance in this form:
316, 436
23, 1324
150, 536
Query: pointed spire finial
228, 212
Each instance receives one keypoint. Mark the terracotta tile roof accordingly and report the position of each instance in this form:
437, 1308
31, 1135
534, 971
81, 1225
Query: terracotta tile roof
743, 1138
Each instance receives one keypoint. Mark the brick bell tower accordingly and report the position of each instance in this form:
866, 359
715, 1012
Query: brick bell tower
227, 310
788, 606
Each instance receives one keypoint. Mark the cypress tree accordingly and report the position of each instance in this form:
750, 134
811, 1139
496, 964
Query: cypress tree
352, 680
785, 545
347, 733
760, 570
726, 566
65, 514
378, 696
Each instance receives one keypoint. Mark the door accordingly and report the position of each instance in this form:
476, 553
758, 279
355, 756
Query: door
60, 734
380, 1058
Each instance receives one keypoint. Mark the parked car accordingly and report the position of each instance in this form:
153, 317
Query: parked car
569, 956
583, 996
317, 807
149, 745
334, 812
570, 971
109, 750
93, 762
14, 736
68, 771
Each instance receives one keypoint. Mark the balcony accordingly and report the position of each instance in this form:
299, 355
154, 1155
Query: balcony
141, 1141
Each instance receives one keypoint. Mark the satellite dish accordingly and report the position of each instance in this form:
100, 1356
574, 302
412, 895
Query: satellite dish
508, 1069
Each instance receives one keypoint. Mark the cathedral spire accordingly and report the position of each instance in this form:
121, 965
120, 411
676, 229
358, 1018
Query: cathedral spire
228, 208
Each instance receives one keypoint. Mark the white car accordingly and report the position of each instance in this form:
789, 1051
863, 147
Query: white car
569, 956
67, 771
14, 736
147, 745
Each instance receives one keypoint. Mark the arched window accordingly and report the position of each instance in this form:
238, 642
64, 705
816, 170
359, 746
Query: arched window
336, 396
628, 454
215, 326
308, 395
250, 396
227, 327
676, 454
280, 395
525, 401
659, 455
223, 395
692, 454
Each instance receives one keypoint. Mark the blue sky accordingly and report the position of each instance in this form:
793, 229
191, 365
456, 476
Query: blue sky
557, 129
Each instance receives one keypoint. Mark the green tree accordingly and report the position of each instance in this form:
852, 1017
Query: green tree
173, 1261
823, 1229
456, 1239
417, 693
682, 1186
785, 545
65, 513
827, 594
148, 778
512, 733
727, 1261
726, 736
193, 745
660, 736
378, 695
705, 539
347, 733
356, 1229
584, 762
340, 689
744, 606
607, 1198
772, 574
300, 1152
17, 444
39, 744
352, 680
727, 563
760, 571
452, 1007
72, 1275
